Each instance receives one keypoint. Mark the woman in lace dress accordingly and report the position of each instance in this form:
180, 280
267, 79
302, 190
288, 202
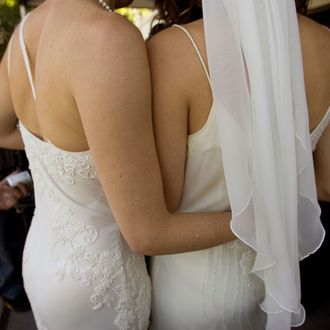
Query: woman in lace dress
214, 288
74, 82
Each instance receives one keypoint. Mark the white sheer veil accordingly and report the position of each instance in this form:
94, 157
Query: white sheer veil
255, 64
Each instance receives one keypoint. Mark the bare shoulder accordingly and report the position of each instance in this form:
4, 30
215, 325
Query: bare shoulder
172, 52
173, 41
106, 31
196, 28
168, 43
168, 53
175, 66
315, 44
108, 41
307, 24
314, 34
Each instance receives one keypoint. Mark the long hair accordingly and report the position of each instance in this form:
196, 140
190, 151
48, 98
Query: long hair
184, 11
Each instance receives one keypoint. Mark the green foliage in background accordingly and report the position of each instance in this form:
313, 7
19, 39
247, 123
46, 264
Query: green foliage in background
141, 17
8, 3
133, 14
9, 18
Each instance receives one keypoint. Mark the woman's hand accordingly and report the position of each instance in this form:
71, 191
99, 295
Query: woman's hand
9, 196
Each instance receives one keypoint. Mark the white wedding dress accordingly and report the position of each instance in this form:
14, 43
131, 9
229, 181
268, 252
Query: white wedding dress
211, 289
79, 272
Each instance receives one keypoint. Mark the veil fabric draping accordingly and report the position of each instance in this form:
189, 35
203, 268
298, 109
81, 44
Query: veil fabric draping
255, 64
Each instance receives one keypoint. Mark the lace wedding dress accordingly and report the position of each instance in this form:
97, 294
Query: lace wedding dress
79, 272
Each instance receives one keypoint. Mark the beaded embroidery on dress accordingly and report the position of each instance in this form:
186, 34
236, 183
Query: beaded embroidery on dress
81, 250
78, 244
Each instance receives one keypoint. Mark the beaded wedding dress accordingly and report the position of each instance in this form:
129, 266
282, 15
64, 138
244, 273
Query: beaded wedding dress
79, 272
214, 288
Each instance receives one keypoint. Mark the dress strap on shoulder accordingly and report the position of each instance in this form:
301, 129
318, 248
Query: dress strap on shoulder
9, 55
320, 128
26, 56
196, 49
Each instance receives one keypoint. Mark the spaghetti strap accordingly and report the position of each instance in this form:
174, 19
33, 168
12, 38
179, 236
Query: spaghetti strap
26, 56
196, 49
9, 56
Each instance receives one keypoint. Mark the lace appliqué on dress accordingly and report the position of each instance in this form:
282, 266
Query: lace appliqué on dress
64, 167
117, 278
118, 282
61, 165
133, 309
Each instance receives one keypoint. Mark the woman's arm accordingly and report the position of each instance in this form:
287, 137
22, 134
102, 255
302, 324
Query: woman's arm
170, 111
175, 85
113, 93
10, 136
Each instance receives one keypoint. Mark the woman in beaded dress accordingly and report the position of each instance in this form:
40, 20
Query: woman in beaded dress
214, 288
74, 83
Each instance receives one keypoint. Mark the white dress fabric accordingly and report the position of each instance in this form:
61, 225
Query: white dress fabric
78, 271
211, 289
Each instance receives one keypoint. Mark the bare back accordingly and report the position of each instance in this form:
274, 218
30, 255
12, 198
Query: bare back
52, 43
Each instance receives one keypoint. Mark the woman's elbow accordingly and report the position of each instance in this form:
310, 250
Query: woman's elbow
144, 241
142, 246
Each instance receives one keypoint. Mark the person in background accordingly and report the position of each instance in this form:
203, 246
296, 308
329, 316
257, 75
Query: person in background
16, 203
10, 196
14, 224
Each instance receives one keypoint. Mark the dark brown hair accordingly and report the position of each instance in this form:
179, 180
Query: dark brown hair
302, 6
176, 12
185, 11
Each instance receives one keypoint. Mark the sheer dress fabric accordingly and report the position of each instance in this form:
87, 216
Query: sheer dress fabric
255, 65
